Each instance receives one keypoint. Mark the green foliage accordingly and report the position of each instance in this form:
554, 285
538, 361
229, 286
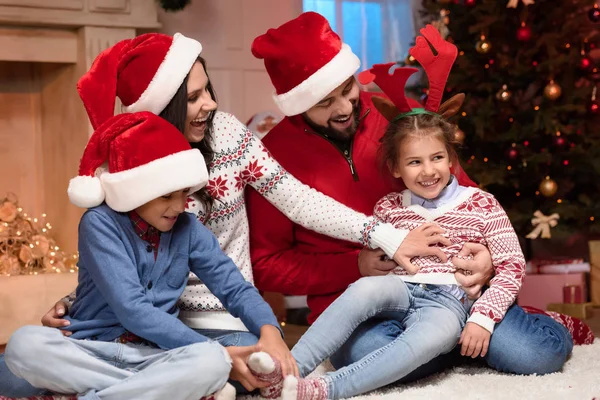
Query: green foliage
560, 30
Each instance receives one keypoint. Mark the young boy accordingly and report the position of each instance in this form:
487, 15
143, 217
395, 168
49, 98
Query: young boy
135, 253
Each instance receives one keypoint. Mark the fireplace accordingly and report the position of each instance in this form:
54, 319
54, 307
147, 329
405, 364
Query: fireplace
45, 46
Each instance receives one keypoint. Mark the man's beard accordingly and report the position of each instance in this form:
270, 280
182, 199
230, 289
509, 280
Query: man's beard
333, 133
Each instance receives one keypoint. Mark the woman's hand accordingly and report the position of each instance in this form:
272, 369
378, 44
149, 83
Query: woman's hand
272, 343
53, 317
473, 268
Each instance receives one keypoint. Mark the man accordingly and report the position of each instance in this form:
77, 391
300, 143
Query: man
329, 140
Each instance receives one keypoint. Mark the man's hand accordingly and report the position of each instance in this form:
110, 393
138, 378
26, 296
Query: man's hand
374, 262
53, 318
474, 268
272, 343
475, 341
239, 368
419, 242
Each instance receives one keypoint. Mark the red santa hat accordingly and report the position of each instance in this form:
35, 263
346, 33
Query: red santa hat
132, 159
305, 60
144, 72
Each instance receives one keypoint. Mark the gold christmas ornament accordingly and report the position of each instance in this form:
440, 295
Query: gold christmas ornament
459, 135
552, 91
542, 224
483, 46
504, 94
8, 211
25, 254
548, 187
9, 265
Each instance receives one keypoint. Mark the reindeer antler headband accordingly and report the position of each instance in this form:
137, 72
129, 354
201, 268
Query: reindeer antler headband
436, 56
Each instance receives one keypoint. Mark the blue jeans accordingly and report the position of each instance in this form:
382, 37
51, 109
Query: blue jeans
521, 344
13, 386
432, 320
115, 371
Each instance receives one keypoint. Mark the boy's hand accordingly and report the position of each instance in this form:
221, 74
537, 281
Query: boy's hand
272, 343
239, 367
421, 242
475, 340
53, 317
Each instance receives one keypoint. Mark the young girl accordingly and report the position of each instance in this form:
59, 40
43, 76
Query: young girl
423, 295
137, 247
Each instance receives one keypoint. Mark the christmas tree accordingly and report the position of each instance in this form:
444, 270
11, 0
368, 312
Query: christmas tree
529, 124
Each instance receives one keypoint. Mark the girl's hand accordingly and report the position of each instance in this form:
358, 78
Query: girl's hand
272, 343
475, 340
239, 367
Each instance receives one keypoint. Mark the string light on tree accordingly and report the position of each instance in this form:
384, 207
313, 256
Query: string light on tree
504, 94
410, 60
594, 106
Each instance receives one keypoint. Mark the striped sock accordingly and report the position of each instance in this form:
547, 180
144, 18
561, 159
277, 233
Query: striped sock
265, 368
304, 389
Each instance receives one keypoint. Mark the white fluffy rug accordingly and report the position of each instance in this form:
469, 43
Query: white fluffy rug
580, 379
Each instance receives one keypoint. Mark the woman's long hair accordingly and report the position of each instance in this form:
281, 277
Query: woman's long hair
176, 113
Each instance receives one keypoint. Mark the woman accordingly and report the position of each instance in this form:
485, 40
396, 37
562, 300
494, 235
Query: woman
166, 75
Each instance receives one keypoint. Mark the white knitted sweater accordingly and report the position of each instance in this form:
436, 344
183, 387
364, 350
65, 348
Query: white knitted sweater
240, 160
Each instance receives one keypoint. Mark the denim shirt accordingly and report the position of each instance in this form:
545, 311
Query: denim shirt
122, 288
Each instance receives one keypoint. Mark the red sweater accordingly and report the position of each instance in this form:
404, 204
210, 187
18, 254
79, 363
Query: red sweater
290, 259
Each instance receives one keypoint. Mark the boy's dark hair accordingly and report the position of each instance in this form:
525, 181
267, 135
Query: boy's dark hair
420, 125
176, 113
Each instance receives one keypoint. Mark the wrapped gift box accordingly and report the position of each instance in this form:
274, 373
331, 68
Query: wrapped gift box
540, 290
594, 246
573, 294
581, 311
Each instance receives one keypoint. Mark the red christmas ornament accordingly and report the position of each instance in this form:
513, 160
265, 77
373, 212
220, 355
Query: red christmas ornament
594, 107
513, 153
523, 33
470, 3
585, 63
560, 141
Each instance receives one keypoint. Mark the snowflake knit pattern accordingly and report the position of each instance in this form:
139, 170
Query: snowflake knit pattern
241, 159
474, 216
